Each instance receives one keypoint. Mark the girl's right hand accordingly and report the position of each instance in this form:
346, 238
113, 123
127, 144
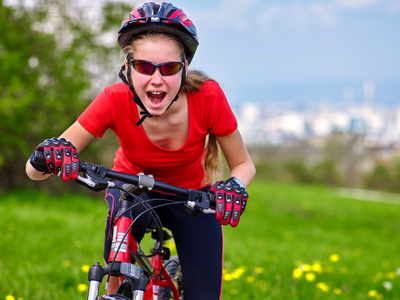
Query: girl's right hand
56, 156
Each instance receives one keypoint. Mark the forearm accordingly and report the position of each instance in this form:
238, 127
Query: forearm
245, 172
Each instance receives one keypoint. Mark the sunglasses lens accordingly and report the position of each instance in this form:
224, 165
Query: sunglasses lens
148, 68
143, 67
171, 68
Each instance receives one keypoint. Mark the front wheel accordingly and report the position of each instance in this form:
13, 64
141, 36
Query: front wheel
174, 269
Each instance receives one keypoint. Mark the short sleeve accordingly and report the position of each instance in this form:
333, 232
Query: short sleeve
220, 118
98, 115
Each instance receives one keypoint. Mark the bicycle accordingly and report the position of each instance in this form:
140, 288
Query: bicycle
140, 277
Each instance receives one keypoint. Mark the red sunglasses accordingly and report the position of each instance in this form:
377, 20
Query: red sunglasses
147, 68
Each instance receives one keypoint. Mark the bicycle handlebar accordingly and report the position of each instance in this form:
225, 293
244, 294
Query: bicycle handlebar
96, 174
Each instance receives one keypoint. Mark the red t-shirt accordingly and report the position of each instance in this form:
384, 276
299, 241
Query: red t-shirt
114, 108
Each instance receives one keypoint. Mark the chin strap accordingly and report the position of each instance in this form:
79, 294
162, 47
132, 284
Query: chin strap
135, 97
145, 114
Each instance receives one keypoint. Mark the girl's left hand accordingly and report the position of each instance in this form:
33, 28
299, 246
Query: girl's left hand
231, 202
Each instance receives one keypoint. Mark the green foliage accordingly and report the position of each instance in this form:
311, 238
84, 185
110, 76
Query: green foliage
384, 176
378, 178
42, 84
338, 160
296, 170
52, 64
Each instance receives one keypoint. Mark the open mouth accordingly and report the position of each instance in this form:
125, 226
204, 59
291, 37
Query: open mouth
156, 98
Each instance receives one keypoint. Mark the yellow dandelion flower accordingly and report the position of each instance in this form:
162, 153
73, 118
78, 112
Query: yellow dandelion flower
338, 291
306, 267
297, 273
334, 258
323, 287
10, 297
317, 267
237, 273
250, 279
228, 277
259, 270
310, 276
20, 298
224, 271
82, 287
85, 268
372, 293
390, 275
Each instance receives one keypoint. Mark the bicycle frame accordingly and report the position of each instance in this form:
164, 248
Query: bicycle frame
122, 247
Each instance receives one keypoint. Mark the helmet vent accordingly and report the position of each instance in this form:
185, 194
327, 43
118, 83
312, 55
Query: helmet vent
141, 11
156, 8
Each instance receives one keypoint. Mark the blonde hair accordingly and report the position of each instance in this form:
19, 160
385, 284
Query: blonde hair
212, 159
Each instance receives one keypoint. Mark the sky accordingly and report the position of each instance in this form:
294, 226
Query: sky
294, 52
288, 51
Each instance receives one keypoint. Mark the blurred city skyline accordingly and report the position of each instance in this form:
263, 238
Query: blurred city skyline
299, 51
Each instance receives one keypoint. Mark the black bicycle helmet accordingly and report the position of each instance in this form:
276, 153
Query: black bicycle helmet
162, 18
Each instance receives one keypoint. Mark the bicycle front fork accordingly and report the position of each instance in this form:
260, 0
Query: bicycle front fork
135, 282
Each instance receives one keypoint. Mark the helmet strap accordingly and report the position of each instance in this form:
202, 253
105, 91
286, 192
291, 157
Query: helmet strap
135, 97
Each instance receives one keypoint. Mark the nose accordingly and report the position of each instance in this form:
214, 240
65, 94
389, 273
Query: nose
156, 77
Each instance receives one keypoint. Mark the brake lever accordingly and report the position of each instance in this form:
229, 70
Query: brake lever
195, 206
94, 177
199, 201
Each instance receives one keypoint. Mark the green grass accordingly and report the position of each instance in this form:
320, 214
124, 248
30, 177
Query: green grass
45, 242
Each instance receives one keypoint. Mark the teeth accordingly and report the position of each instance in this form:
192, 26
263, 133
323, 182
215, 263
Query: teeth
157, 93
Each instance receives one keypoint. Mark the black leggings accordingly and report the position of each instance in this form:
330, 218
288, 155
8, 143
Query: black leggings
198, 239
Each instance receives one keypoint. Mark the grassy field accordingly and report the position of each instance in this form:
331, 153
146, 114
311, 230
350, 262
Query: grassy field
294, 242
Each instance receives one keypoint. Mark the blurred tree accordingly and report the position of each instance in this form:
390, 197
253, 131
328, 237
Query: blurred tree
325, 172
379, 178
53, 61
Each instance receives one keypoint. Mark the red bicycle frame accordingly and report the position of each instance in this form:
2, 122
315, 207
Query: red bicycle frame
124, 244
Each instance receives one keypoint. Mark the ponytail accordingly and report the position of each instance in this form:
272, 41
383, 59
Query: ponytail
212, 159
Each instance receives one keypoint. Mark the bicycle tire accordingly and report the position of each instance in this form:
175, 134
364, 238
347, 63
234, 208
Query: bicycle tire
174, 269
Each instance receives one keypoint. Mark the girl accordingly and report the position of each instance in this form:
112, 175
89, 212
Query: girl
163, 132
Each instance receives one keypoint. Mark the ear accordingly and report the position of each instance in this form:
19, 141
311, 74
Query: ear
186, 66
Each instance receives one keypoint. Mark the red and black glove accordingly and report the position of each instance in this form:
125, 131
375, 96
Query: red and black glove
231, 199
56, 156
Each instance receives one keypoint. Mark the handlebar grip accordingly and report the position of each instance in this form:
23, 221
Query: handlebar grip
38, 161
212, 199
